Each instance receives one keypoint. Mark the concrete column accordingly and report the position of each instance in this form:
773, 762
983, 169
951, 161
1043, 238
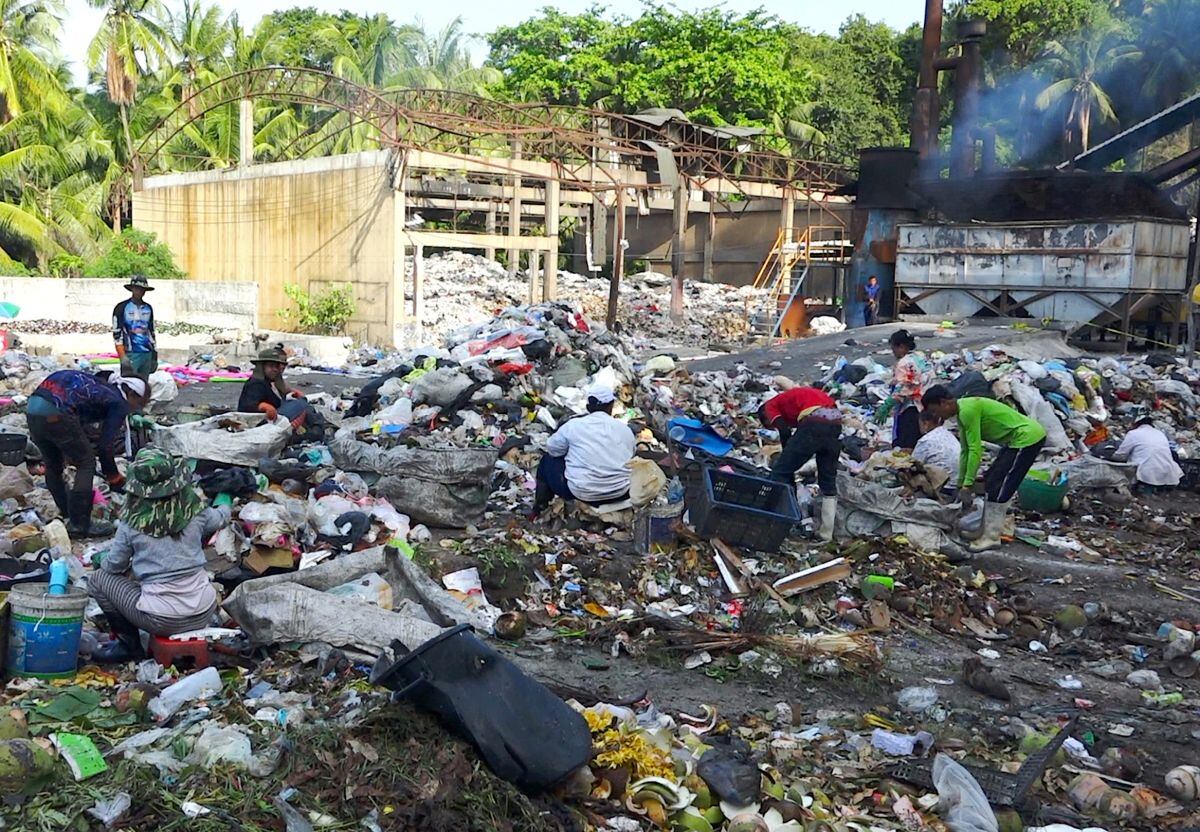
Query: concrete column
550, 276
399, 251
514, 215
490, 228
245, 132
618, 270
710, 235
419, 284
535, 265
677, 252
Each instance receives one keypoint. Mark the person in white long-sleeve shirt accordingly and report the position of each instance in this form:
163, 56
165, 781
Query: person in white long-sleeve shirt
1148, 448
938, 447
587, 458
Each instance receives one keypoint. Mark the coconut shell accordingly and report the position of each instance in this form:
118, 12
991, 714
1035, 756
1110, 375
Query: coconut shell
1119, 805
24, 766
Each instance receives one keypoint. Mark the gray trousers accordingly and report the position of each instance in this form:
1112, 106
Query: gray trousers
118, 596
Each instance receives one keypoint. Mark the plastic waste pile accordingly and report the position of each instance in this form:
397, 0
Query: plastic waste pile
464, 287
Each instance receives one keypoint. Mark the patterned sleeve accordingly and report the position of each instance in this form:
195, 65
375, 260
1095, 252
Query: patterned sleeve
907, 381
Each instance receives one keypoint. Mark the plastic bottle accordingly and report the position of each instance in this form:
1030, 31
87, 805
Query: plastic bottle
60, 576
197, 686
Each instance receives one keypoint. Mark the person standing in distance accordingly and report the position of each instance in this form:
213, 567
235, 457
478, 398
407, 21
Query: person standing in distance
133, 330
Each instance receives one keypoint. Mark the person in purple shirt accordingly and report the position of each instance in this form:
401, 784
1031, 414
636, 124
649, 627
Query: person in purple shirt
57, 411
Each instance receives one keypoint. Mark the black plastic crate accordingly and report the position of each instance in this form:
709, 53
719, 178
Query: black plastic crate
750, 512
12, 448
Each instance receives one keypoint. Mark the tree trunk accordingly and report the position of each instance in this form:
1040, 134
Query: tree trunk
1085, 128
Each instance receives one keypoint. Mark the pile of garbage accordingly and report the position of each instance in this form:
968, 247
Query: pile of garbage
398, 531
465, 287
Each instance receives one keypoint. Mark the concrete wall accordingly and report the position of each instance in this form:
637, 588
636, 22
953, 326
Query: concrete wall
223, 305
742, 238
318, 223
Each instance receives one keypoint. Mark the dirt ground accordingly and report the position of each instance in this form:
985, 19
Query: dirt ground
1143, 545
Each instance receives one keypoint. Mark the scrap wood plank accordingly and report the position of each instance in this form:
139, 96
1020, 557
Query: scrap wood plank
835, 570
726, 553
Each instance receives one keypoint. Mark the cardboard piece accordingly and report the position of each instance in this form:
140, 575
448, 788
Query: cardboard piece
813, 577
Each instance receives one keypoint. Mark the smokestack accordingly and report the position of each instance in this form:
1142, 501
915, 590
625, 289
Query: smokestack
966, 98
924, 126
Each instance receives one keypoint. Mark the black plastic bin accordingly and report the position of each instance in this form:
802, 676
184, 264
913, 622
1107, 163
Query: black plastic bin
750, 512
525, 733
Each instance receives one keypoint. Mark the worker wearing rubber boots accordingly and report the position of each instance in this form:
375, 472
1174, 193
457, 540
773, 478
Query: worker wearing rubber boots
1019, 437
57, 412
133, 330
809, 425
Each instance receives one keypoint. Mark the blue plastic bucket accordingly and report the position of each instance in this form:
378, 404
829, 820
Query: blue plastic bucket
44, 630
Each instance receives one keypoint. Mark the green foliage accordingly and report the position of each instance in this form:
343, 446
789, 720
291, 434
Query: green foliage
720, 67
13, 268
324, 314
135, 252
66, 265
1018, 30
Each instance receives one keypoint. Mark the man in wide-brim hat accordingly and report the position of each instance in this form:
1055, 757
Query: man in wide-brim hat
266, 391
153, 577
133, 330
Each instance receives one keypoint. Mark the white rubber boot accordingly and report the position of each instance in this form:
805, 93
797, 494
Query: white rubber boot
993, 524
828, 518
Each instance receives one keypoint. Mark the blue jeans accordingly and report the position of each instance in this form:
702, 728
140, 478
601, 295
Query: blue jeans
551, 481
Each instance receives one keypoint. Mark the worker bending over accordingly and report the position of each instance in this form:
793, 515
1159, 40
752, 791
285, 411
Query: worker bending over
133, 330
938, 448
1148, 448
588, 457
57, 412
1019, 437
809, 425
160, 544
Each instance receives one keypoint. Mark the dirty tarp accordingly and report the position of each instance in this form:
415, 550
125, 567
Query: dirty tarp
208, 440
296, 607
1093, 472
866, 509
446, 488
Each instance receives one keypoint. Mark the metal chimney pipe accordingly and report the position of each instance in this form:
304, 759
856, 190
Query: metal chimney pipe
924, 126
966, 99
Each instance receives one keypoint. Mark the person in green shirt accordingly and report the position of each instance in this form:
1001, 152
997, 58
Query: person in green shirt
1019, 437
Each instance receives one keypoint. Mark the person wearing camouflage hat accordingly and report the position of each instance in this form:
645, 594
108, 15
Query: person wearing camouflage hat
153, 576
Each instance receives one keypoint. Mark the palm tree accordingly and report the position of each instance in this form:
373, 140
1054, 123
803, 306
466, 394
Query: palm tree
199, 39
442, 61
1169, 43
56, 173
28, 32
1079, 67
373, 53
131, 42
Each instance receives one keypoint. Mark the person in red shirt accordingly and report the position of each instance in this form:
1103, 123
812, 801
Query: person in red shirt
809, 425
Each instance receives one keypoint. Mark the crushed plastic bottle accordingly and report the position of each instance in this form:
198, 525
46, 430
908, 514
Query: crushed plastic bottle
916, 699
188, 689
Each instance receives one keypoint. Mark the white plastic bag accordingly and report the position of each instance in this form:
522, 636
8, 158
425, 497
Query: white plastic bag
163, 387
960, 799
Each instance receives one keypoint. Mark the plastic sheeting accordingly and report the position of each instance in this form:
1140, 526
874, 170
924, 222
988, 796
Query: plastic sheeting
208, 440
865, 509
446, 488
1038, 408
297, 607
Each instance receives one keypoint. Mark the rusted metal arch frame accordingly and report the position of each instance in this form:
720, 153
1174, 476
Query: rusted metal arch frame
477, 119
